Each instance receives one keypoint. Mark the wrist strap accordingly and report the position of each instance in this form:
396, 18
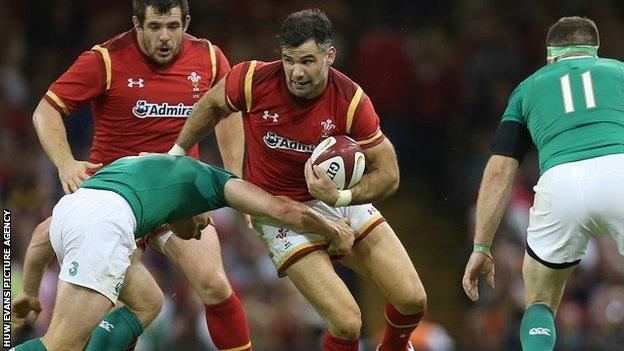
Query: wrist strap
177, 150
484, 249
344, 198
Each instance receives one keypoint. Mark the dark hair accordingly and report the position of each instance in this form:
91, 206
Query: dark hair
301, 26
573, 31
161, 7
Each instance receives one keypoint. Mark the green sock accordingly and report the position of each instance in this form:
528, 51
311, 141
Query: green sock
31, 345
116, 332
537, 330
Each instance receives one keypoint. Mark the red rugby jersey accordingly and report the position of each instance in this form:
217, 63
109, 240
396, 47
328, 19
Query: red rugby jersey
281, 130
137, 105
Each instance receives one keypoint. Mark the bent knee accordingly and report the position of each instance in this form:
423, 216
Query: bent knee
412, 303
213, 288
346, 325
149, 309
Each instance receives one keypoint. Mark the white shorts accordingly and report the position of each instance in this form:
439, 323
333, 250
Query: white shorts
286, 246
92, 233
572, 202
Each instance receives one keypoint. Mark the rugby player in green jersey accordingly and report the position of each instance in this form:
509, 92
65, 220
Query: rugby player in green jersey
573, 111
93, 231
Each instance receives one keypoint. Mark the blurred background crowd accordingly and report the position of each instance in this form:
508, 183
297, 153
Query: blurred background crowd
439, 74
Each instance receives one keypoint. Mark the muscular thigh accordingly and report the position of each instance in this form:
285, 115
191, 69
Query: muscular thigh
141, 292
77, 312
381, 258
315, 278
200, 261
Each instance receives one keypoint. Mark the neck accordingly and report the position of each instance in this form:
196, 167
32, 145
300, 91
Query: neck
554, 53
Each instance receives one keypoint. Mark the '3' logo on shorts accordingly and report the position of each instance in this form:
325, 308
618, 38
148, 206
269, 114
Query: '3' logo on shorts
73, 269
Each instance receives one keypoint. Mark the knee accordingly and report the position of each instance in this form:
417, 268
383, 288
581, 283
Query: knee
149, 306
213, 287
412, 303
346, 325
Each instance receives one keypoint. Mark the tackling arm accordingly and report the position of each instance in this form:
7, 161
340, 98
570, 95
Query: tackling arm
208, 111
246, 197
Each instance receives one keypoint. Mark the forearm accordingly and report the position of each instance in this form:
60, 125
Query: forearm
377, 184
231, 140
382, 177
203, 120
38, 255
493, 198
303, 219
52, 134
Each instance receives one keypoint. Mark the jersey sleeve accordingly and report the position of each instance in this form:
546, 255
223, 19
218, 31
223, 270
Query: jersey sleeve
363, 121
223, 65
210, 182
513, 112
82, 82
235, 91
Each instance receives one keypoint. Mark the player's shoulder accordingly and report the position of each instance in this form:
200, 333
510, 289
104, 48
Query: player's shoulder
345, 87
609, 63
118, 42
200, 44
259, 71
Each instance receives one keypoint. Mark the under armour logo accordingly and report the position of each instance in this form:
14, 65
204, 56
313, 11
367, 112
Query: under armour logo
132, 82
106, 326
267, 115
539, 331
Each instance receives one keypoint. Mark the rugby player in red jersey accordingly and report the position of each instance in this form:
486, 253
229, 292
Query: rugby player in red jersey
288, 106
142, 85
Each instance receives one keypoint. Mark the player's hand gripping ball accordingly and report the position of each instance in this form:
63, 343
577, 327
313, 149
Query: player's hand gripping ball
342, 159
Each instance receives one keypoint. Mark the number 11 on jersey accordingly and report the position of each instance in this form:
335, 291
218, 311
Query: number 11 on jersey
588, 91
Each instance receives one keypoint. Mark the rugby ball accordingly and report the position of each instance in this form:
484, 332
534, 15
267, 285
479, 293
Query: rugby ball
342, 159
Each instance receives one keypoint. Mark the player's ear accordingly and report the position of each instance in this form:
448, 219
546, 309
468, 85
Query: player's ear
331, 55
137, 24
187, 22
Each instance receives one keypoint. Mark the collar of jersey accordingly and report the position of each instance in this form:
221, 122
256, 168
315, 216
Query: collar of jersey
555, 52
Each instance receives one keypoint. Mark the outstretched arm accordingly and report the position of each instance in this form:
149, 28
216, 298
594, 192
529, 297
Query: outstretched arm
493, 198
246, 197
208, 111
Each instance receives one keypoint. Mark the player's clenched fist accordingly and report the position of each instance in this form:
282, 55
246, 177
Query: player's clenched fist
72, 173
342, 243
319, 184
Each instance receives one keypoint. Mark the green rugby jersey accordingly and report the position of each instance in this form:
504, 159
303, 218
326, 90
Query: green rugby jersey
162, 188
573, 109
